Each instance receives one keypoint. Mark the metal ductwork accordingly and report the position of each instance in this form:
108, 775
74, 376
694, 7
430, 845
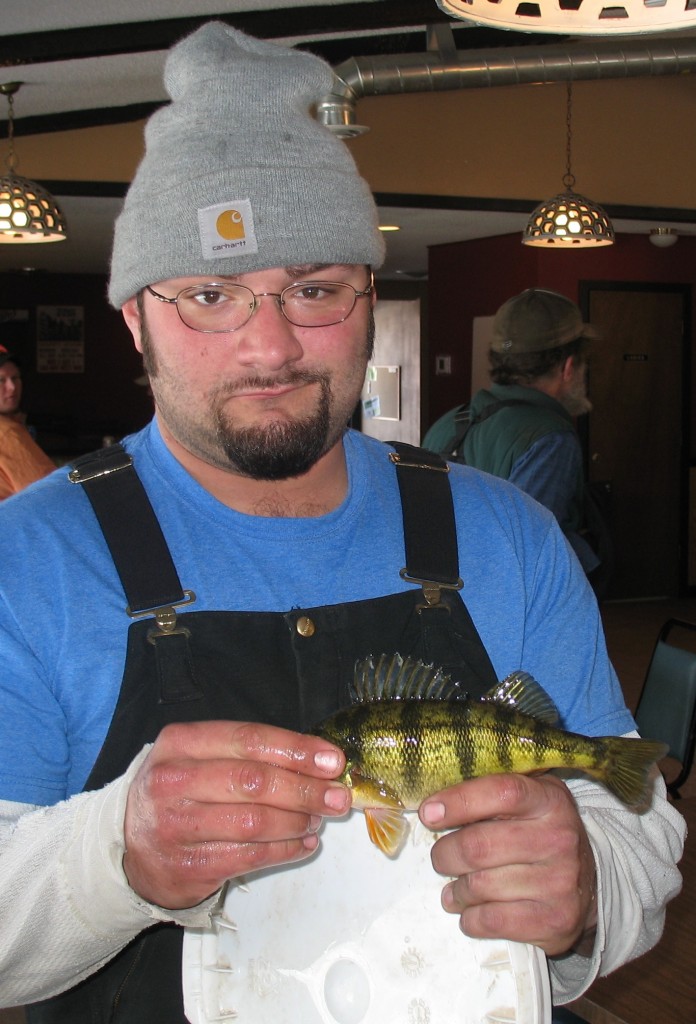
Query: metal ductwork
451, 69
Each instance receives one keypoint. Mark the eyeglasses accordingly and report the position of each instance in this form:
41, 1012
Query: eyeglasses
220, 308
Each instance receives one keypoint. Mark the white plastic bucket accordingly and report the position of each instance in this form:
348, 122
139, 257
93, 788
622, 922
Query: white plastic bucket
354, 937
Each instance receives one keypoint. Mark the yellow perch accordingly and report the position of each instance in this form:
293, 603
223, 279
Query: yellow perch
411, 732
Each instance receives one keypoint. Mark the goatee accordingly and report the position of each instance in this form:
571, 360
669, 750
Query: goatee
280, 450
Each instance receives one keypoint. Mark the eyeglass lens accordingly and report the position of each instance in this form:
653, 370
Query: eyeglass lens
227, 307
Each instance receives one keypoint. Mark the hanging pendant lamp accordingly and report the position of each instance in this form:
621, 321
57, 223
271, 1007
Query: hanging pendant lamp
577, 17
28, 213
569, 219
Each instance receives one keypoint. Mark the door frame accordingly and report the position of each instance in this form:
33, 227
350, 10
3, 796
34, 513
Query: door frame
585, 288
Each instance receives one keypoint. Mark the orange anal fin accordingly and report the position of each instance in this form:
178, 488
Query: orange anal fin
386, 827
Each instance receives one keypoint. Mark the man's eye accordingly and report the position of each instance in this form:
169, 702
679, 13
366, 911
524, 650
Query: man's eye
208, 298
314, 292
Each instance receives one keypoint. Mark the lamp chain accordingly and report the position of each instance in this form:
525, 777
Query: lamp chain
11, 159
569, 177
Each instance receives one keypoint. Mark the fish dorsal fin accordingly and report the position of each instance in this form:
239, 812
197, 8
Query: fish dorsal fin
521, 692
392, 677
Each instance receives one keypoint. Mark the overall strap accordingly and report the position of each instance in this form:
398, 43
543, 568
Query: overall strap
145, 566
430, 533
131, 529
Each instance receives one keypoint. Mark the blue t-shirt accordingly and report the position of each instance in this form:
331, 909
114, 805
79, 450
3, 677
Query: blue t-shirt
63, 624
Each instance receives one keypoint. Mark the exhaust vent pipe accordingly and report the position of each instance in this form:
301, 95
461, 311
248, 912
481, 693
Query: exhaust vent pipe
481, 69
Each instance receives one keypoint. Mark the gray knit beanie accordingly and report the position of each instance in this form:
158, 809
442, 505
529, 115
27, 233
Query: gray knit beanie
237, 173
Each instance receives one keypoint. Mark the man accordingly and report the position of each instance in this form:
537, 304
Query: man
21, 460
522, 427
257, 556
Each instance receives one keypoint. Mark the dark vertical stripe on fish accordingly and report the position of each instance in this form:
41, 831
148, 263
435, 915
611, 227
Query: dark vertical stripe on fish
468, 753
412, 737
504, 744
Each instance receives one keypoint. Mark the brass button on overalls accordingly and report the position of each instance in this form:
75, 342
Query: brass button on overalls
305, 626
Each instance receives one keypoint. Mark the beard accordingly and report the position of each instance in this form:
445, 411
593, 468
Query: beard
279, 450
575, 400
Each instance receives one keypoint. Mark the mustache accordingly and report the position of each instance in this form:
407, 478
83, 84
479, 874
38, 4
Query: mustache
288, 378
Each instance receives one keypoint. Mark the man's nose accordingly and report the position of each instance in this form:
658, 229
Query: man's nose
268, 338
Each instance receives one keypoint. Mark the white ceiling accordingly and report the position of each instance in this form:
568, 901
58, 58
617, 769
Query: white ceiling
77, 75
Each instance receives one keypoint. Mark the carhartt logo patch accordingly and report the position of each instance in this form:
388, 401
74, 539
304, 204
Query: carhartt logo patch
227, 230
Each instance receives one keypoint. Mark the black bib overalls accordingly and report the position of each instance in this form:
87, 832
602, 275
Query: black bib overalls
289, 669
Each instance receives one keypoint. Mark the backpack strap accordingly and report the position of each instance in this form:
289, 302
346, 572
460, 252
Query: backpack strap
132, 532
432, 557
463, 421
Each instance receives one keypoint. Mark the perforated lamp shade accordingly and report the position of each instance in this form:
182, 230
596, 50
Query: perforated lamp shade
568, 219
577, 17
28, 213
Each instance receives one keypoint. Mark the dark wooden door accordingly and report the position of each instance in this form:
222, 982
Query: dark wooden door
635, 432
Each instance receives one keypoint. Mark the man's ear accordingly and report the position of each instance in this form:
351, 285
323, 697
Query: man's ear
568, 368
131, 314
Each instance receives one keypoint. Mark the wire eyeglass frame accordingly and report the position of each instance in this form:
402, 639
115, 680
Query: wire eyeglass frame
254, 297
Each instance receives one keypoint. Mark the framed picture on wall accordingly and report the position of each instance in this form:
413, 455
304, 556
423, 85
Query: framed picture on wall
60, 341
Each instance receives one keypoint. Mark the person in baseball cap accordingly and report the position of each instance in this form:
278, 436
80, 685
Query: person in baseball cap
522, 427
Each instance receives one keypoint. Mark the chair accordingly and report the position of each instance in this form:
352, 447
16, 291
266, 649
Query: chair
667, 705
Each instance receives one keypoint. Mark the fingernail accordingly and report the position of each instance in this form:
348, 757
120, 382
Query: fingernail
327, 760
432, 814
314, 824
337, 798
448, 897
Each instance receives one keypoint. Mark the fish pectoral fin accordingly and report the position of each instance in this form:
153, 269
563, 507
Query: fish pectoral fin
386, 827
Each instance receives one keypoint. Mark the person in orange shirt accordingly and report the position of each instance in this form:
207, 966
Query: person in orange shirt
21, 460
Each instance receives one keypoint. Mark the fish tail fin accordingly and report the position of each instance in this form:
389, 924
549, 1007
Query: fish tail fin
626, 768
386, 827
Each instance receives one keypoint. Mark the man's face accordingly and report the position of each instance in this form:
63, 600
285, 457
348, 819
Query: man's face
10, 389
267, 400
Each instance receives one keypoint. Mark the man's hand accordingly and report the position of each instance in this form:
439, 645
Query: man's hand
214, 800
520, 858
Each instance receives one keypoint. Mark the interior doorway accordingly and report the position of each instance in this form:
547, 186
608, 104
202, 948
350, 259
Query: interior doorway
636, 435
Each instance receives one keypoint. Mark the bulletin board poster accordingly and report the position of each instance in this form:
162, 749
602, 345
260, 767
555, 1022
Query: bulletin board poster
60, 339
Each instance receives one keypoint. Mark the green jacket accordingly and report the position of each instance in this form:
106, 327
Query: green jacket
495, 444
498, 443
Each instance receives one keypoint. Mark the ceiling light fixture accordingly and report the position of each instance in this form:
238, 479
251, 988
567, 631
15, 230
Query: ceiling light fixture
389, 227
28, 213
569, 220
576, 17
663, 238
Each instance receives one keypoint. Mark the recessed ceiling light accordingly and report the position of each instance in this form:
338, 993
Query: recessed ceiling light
389, 227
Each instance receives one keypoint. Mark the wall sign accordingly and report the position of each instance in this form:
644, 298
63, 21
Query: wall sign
381, 394
60, 343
